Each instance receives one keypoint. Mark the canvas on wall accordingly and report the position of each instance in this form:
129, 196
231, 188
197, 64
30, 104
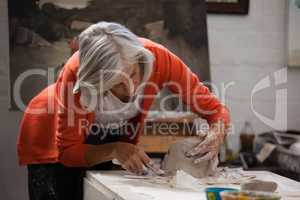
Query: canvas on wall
42, 34
294, 33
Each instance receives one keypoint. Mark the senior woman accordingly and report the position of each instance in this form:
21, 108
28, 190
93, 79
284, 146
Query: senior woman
78, 122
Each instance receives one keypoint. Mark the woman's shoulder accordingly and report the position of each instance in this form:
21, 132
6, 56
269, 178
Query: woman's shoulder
73, 63
70, 68
151, 45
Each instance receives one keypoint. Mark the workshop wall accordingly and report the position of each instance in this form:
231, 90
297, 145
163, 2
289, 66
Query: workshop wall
246, 49
13, 178
243, 49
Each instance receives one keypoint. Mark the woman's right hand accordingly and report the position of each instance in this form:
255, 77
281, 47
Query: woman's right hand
131, 157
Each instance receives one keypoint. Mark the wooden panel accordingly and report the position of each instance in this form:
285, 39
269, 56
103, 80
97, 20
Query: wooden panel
241, 7
158, 144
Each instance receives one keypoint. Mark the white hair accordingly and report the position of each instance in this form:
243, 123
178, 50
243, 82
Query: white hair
104, 48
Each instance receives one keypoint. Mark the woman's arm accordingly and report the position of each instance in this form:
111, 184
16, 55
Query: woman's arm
96, 154
182, 81
130, 156
70, 132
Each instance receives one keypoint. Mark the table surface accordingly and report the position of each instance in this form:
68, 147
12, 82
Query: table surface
114, 185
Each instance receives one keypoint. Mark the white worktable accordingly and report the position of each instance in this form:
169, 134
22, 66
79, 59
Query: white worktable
110, 185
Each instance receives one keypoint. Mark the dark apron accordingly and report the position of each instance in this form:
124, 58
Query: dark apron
57, 182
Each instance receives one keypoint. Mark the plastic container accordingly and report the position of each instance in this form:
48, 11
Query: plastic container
248, 195
213, 193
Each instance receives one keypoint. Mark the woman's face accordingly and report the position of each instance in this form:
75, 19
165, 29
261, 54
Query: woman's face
129, 83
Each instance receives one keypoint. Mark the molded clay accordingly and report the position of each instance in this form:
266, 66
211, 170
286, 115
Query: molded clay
175, 160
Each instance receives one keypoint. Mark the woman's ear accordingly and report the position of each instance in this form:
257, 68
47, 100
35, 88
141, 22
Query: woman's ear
142, 71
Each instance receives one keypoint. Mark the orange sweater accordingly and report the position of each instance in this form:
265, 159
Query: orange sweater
54, 127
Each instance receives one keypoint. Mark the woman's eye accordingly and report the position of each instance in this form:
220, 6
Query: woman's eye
132, 74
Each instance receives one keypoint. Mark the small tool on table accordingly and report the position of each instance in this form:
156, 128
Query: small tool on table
156, 171
148, 168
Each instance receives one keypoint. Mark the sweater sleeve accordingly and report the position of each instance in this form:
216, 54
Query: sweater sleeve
71, 120
182, 81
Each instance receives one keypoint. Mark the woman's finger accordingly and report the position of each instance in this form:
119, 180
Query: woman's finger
200, 149
144, 157
207, 156
126, 167
129, 166
210, 143
138, 164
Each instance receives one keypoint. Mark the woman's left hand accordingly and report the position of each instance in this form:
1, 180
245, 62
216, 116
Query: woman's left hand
208, 149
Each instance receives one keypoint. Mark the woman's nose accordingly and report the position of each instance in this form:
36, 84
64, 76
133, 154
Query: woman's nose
130, 87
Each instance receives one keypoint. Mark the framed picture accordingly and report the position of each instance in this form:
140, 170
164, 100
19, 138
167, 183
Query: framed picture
293, 33
228, 6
